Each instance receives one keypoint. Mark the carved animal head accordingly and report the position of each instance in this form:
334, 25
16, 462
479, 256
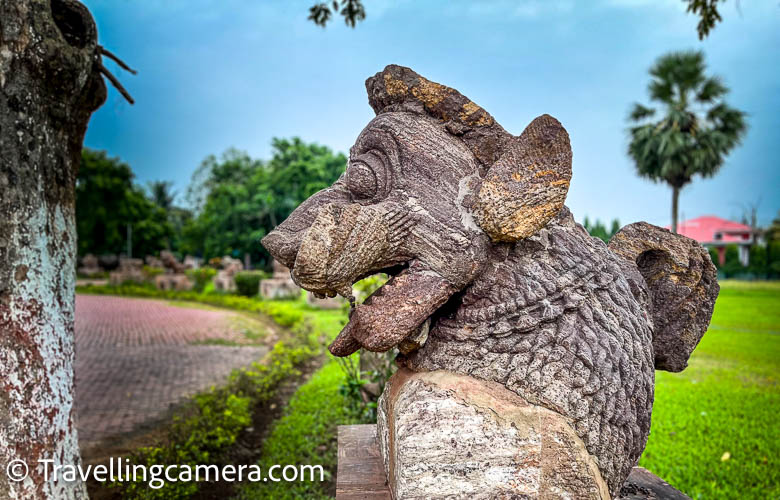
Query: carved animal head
433, 189
430, 182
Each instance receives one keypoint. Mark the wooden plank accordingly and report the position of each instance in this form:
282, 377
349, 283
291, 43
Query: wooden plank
361, 475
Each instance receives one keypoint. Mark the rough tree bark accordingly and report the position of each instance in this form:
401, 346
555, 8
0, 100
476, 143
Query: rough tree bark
50, 84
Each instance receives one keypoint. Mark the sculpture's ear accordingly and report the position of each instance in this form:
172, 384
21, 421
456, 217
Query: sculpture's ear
682, 282
528, 184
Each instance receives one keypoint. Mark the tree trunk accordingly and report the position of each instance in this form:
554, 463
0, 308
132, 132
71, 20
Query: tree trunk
675, 200
49, 86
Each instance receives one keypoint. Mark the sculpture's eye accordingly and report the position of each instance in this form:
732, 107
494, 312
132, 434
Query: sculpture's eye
366, 176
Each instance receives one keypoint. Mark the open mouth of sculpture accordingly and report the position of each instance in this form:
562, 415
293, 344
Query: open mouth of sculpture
349, 242
321, 293
344, 244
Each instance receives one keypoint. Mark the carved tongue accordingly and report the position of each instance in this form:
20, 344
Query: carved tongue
394, 312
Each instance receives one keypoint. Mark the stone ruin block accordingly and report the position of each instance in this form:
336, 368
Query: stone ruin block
506, 447
171, 264
177, 282
191, 262
224, 280
173, 277
154, 262
280, 285
90, 265
131, 270
109, 262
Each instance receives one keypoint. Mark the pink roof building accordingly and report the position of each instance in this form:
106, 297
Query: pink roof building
713, 231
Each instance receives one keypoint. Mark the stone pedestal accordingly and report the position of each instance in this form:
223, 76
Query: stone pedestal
442, 435
361, 473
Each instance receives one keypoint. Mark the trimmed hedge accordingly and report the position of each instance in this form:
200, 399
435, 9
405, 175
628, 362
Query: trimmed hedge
201, 277
205, 429
248, 282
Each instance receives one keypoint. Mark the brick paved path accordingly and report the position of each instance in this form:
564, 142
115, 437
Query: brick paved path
135, 358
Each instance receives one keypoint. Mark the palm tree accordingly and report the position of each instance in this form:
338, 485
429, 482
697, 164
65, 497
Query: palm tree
696, 132
161, 194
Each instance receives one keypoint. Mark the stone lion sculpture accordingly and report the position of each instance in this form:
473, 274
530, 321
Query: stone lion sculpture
528, 348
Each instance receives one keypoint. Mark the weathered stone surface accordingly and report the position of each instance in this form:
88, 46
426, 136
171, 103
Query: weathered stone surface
50, 83
361, 474
152, 261
492, 278
398, 89
683, 286
527, 186
108, 262
191, 262
555, 320
444, 435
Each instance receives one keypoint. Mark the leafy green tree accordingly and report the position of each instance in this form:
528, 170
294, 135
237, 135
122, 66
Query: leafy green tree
758, 264
599, 230
107, 201
296, 171
714, 256
707, 10
697, 129
772, 235
773, 231
238, 200
227, 223
161, 193
351, 10
180, 219
732, 266
773, 259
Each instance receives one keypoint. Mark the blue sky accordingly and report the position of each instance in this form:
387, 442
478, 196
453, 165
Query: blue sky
215, 74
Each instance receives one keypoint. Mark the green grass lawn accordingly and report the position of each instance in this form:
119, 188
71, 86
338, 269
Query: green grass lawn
715, 430
306, 434
716, 425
